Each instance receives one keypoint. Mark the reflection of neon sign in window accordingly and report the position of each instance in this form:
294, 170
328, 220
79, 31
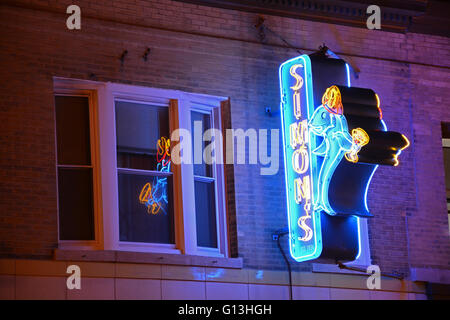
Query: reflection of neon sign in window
154, 195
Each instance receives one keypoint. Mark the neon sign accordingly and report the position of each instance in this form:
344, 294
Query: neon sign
154, 195
300, 165
332, 144
329, 123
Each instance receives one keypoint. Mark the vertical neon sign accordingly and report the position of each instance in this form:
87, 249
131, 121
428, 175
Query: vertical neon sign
297, 107
327, 177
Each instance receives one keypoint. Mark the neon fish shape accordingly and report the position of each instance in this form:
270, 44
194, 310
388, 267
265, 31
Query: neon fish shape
328, 121
332, 127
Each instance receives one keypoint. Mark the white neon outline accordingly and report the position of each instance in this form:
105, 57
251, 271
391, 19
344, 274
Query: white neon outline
285, 158
367, 187
373, 172
399, 152
317, 229
365, 195
314, 212
348, 75
384, 125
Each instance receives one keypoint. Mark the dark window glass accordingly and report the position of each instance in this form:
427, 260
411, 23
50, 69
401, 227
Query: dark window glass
445, 130
446, 142
205, 213
447, 168
138, 129
149, 220
75, 180
76, 214
204, 120
145, 198
72, 130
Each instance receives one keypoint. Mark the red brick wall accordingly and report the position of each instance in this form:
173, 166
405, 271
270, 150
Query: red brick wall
216, 51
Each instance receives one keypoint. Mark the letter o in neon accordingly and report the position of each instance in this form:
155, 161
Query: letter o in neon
300, 160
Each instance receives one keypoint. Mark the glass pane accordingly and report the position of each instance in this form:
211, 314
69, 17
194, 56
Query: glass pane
72, 130
205, 213
76, 205
445, 130
203, 120
138, 128
145, 209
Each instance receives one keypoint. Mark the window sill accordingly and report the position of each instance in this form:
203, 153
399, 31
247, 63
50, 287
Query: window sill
146, 257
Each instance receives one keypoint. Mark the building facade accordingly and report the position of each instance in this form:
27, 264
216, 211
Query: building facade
186, 61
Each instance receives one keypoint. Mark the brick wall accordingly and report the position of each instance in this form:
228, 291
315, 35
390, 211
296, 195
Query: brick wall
216, 51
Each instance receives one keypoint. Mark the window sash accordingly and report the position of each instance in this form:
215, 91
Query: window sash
152, 173
213, 124
204, 179
97, 243
133, 245
446, 143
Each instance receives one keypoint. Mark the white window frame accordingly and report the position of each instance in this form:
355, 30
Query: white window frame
93, 138
180, 105
129, 95
200, 106
446, 144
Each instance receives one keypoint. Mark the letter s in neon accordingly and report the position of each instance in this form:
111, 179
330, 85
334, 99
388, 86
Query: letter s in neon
308, 231
298, 78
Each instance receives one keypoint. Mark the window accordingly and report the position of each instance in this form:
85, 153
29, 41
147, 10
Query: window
76, 167
135, 199
446, 151
204, 188
140, 128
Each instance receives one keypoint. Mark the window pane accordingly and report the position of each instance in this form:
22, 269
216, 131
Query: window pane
145, 209
72, 130
76, 214
445, 130
205, 213
138, 128
198, 118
